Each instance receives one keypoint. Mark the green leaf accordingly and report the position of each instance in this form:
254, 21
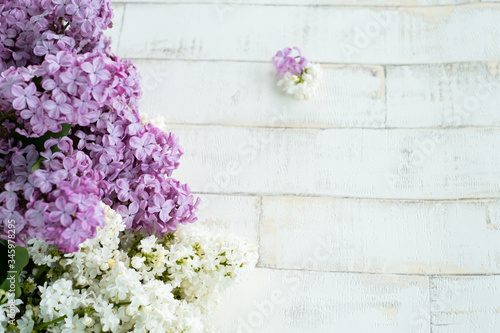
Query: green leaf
40, 141
38, 83
21, 259
3, 259
37, 164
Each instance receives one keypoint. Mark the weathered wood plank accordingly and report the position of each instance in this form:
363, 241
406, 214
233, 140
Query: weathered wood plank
114, 32
413, 164
234, 93
379, 236
350, 96
230, 215
226, 6
331, 34
466, 94
465, 304
317, 302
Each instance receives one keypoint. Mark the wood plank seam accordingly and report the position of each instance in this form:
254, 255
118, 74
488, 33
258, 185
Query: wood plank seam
306, 195
288, 127
326, 63
259, 224
313, 128
461, 200
429, 275
385, 94
239, 3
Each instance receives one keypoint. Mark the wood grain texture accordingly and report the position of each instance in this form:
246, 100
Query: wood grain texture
411, 164
317, 302
379, 236
235, 93
224, 6
466, 94
465, 304
338, 35
230, 215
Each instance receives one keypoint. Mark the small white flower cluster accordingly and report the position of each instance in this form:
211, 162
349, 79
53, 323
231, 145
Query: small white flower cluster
302, 86
158, 121
122, 281
40, 252
5, 308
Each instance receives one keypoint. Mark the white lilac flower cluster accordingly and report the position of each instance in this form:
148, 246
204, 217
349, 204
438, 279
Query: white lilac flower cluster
300, 78
125, 281
302, 86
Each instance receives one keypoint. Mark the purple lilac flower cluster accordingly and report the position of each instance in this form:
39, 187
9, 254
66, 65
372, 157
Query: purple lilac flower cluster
284, 62
31, 29
67, 88
59, 203
52, 184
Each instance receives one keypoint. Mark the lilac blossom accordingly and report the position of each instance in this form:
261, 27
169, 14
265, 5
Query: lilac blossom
57, 105
56, 68
72, 79
97, 70
30, 30
284, 62
24, 97
161, 206
128, 213
143, 145
62, 211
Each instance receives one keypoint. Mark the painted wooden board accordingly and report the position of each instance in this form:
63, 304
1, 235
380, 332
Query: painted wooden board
351, 235
224, 6
305, 174
465, 304
461, 94
235, 93
230, 215
411, 164
114, 32
350, 96
274, 301
326, 34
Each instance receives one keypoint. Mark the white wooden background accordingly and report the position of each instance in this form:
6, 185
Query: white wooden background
375, 205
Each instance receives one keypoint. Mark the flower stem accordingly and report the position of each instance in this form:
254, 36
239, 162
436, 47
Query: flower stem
43, 325
122, 303
42, 270
65, 27
79, 312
